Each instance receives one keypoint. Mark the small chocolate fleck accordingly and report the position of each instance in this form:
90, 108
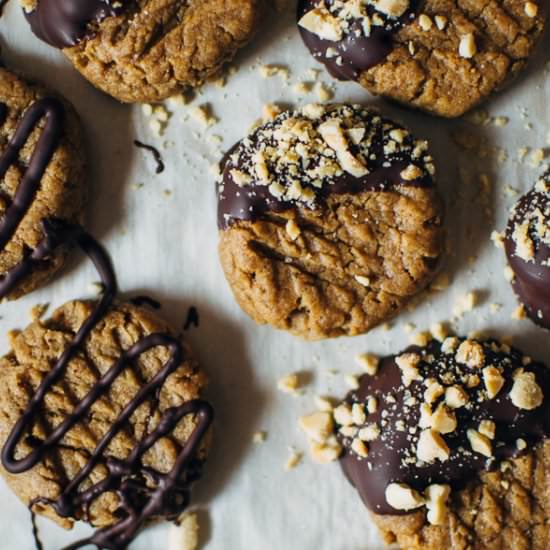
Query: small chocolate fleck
143, 300
156, 155
192, 318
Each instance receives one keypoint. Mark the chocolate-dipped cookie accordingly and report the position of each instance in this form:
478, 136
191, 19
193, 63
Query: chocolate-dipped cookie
145, 50
527, 246
442, 56
329, 220
41, 176
447, 446
101, 420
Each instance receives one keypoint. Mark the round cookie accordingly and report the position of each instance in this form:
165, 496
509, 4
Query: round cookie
448, 447
145, 50
527, 246
149, 489
41, 176
442, 56
329, 220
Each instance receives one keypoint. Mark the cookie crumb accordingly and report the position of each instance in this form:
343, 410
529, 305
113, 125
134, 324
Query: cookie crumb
185, 534
37, 312
368, 362
289, 383
259, 436
293, 460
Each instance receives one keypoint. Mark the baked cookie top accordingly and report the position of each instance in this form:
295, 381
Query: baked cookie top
42, 177
527, 245
329, 220
441, 56
145, 50
102, 420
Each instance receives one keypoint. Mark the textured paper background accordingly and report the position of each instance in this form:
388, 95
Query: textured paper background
165, 246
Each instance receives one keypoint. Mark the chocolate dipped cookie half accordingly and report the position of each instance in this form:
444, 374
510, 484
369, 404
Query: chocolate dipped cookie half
329, 220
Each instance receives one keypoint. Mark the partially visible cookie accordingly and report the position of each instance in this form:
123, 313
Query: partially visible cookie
527, 247
42, 176
447, 446
329, 220
442, 56
145, 50
151, 459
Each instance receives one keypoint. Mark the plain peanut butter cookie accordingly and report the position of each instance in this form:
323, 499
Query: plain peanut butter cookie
145, 50
442, 56
329, 220
42, 177
447, 446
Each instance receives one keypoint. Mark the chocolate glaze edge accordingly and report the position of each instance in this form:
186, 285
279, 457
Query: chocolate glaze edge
385, 456
236, 203
64, 23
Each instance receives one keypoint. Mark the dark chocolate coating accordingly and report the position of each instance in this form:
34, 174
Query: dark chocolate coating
357, 51
64, 23
52, 111
532, 278
144, 493
387, 452
254, 200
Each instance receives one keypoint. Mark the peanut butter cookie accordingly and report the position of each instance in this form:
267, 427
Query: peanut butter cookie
442, 56
447, 446
145, 50
42, 177
329, 220
101, 419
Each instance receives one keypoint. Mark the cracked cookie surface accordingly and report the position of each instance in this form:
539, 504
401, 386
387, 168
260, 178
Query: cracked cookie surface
502, 510
34, 352
318, 251
153, 49
447, 56
59, 182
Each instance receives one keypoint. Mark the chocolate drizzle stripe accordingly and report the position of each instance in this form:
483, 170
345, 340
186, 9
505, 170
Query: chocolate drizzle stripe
52, 110
163, 499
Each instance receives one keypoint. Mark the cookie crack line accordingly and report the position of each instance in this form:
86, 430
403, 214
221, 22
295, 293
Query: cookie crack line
139, 502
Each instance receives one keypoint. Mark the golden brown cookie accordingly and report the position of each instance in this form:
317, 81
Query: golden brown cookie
119, 483
442, 56
329, 220
42, 177
145, 50
448, 447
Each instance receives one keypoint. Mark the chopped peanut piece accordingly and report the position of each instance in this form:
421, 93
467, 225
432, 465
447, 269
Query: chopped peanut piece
402, 497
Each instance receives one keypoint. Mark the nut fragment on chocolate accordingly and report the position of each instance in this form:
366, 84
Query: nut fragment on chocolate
451, 420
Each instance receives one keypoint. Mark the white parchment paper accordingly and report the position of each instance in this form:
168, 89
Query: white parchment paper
163, 238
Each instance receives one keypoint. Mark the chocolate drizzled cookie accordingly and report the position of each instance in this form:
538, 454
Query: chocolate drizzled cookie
527, 245
436, 425
329, 220
42, 177
444, 57
145, 50
102, 421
